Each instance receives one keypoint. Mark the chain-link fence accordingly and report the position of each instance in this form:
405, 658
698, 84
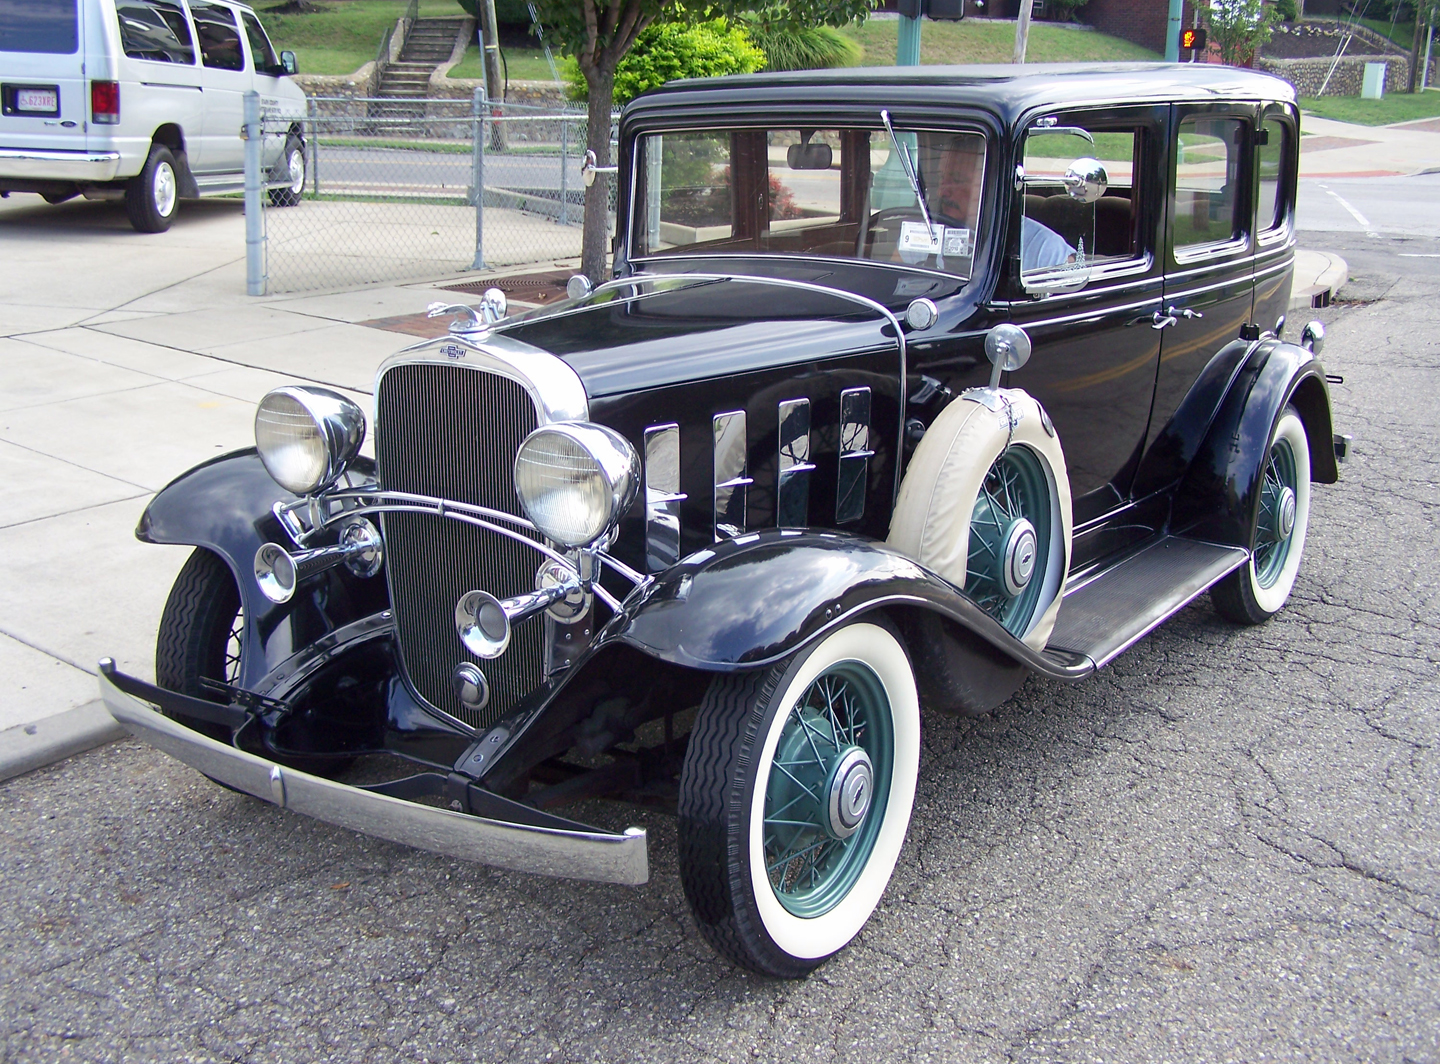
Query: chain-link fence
389, 187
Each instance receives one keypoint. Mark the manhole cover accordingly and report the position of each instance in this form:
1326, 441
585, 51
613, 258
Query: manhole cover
546, 287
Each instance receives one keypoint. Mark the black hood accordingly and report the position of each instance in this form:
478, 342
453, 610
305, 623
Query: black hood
659, 332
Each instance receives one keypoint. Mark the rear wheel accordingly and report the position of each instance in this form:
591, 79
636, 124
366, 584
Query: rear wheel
201, 636
1260, 588
795, 799
290, 169
152, 195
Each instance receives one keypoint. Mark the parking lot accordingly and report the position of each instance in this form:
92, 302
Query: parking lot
1226, 846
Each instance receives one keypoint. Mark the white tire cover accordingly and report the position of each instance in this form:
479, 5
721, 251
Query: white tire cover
931, 522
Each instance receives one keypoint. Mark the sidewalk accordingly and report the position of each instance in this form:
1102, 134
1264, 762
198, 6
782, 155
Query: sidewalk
1342, 149
125, 360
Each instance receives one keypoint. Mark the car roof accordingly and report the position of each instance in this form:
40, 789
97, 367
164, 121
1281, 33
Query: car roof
1009, 90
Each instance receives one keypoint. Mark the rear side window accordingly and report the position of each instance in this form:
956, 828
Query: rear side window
155, 30
261, 54
219, 37
50, 26
1270, 157
1208, 175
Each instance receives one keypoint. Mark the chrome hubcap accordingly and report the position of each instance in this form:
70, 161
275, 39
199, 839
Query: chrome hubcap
1018, 557
297, 171
164, 189
852, 784
1285, 514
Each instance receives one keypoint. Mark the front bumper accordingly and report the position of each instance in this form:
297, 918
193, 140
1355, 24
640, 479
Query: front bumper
593, 855
37, 164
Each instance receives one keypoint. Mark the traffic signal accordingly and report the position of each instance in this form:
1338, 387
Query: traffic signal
1193, 39
944, 10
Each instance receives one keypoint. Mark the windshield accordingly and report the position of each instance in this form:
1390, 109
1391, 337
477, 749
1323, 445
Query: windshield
815, 192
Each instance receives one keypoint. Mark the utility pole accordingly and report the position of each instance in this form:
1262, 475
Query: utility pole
1172, 31
490, 50
907, 44
1022, 30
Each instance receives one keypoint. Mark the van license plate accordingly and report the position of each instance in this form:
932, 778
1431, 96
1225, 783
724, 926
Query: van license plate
40, 101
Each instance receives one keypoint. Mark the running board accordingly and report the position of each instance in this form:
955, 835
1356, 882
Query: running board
1109, 613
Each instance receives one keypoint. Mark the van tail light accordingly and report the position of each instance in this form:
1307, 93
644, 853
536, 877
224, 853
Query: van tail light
105, 103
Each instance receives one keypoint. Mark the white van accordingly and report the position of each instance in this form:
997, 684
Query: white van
142, 99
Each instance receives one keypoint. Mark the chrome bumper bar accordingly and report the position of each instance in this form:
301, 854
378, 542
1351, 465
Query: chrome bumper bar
42, 165
593, 855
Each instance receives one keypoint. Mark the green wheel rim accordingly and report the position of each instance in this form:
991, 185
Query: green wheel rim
1278, 492
845, 709
1015, 489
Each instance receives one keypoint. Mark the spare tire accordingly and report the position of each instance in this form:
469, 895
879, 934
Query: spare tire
985, 503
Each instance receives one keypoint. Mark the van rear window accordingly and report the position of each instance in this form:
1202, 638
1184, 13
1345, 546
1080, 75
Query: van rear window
51, 26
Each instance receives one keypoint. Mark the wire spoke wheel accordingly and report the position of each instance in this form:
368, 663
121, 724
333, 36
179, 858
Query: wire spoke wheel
832, 765
1010, 530
1275, 525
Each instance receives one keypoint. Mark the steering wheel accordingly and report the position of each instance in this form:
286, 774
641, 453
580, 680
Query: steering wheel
888, 214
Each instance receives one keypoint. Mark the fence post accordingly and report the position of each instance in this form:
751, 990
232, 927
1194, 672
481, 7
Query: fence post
477, 175
314, 143
564, 165
254, 224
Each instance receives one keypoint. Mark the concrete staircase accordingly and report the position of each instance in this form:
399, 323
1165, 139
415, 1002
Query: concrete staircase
428, 44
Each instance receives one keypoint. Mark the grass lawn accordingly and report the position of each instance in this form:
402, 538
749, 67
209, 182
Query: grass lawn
1395, 107
974, 41
343, 37
526, 64
1402, 32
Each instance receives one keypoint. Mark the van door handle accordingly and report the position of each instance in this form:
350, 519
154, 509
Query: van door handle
1162, 321
1187, 313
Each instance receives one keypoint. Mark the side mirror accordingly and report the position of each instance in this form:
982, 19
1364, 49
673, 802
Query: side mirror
289, 63
1008, 349
1086, 180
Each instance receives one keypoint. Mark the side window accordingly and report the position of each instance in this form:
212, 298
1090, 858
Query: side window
1080, 206
1208, 170
261, 54
156, 30
1270, 158
219, 37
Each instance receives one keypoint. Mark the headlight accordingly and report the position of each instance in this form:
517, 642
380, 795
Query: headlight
575, 480
307, 436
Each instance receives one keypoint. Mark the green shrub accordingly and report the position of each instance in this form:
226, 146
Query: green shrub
820, 48
669, 51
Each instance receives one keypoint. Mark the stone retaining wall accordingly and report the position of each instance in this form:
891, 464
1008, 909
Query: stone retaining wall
1307, 75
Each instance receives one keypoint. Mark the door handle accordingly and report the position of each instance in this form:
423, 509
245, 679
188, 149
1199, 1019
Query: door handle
1162, 321
1187, 313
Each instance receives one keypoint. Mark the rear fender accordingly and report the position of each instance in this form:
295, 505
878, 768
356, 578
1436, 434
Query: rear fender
227, 505
753, 601
1216, 497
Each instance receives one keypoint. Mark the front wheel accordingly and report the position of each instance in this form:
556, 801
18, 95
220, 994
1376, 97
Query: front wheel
152, 195
795, 798
201, 635
290, 169
1258, 589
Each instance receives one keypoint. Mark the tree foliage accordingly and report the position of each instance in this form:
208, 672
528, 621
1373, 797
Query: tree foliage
670, 50
1239, 28
806, 48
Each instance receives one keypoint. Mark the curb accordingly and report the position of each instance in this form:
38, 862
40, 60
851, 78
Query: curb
26, 747
1321, 291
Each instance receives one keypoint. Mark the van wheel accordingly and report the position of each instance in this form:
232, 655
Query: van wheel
795, 798
291, 166
1258, 589
153, 194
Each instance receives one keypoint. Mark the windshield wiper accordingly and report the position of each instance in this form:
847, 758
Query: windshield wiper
909, 168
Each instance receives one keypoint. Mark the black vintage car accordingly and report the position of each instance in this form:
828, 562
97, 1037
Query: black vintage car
909, 383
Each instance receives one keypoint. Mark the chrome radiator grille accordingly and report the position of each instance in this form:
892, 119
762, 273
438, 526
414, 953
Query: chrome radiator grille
452, 432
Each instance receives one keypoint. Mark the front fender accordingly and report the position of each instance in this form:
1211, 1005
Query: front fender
751, 601
226, 505
1216, 498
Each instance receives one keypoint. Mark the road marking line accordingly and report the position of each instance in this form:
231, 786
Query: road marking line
1418, 255
1364, 222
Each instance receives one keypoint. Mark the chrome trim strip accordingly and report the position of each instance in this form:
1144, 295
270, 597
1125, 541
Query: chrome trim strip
855, 455
1097, 312
731, 483
662, 496
553, 385
792, 486
598, 856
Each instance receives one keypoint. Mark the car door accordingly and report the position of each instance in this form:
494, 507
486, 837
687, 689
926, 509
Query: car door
1275, 179
1086, 284
162, 76
225, 80
1210, 245
266, 66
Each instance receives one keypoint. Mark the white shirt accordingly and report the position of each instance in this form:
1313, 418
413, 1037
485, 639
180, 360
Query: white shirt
1041, 247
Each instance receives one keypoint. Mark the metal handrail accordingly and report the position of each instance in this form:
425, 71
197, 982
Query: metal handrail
382, 56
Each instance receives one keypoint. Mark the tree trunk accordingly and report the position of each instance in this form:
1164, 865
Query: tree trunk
1415, 49
595, 250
